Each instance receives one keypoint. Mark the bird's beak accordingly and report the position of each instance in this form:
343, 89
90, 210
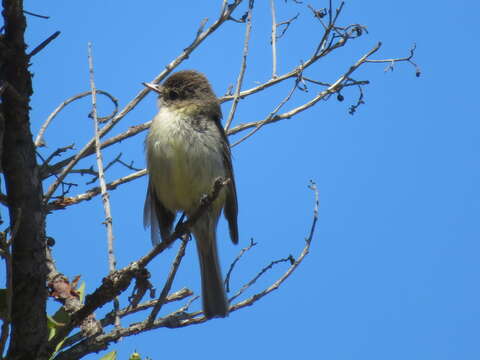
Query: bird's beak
154, 87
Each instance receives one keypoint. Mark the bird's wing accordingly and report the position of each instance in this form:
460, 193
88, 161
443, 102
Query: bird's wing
157, 216
231, 203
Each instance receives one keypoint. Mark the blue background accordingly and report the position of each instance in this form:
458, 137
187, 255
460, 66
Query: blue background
393, 270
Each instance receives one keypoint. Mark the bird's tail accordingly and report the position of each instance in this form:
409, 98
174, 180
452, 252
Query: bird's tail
214, 298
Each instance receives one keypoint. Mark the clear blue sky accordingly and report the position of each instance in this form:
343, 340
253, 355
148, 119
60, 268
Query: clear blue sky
394, 266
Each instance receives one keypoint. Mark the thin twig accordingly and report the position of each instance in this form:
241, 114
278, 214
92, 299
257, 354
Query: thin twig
116, 160
353, 108
132, 131
293, 266
39, 141
333, 88
36, 15
269, 117
286, 25
57, 152
101, 177
44, 43
68, 201
243, 67
274, 39
292, 73
391, 62
110, 317
168, 284
270, 266
232, 265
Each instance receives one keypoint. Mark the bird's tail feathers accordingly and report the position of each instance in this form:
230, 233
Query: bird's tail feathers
214, 298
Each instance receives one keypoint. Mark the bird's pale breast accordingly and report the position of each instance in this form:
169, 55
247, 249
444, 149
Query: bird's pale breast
184, 158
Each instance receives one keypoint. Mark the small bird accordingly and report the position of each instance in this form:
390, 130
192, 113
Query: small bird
187, 150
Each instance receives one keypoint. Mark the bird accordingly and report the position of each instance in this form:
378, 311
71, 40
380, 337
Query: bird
187, 150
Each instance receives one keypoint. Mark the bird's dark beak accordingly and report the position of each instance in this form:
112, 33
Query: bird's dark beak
154, 87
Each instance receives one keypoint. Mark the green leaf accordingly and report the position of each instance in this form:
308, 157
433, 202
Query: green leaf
60, 318
110, 356
81, 291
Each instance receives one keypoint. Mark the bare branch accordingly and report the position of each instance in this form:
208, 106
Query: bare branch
293, 73
274, 39
286, 25
232, 265
57, 152
64, 202
391, 62
176, 296
39, 141
243, 67
270, 266
36, 15
44, 43
132, 131
110, 317
353, 108
116, 160
101, 342
168, 284
333, 88
117, 282
293, 266
269, 117
101, 178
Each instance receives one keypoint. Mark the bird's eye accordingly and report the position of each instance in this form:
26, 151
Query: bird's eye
173, 95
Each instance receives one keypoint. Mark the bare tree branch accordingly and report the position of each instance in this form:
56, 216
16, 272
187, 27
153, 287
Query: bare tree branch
333, 88
117, 282
110, 317
39, 140
101, 179
391, 62
243, 67
36, 15
269, 117
68, 201
286, 25
273, 39
44, 43
168, 284
132, 131
232, 265
293, 266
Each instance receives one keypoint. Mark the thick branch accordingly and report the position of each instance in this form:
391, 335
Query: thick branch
24, 191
